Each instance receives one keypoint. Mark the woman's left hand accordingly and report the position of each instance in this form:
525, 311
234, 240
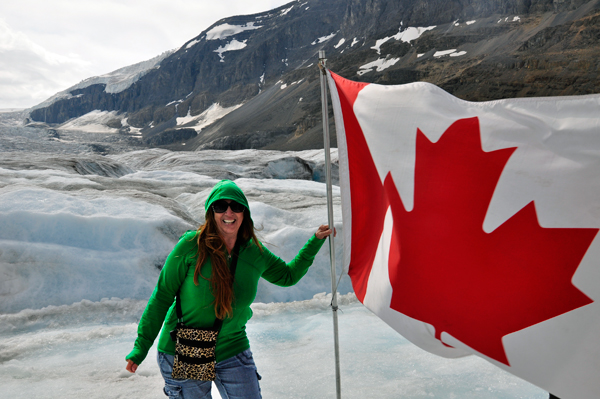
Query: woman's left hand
324, 231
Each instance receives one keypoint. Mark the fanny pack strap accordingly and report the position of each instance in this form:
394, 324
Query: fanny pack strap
232, 266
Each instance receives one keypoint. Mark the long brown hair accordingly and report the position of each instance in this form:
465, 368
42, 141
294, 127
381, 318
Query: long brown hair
210, 244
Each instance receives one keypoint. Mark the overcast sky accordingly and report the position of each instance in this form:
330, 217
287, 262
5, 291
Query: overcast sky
49, 45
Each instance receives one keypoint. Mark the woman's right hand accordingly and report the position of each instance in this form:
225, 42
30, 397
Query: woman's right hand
131, 366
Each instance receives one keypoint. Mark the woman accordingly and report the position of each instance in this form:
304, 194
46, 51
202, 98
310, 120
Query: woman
198, 268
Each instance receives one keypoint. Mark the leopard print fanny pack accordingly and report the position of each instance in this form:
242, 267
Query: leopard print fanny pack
195, 353
195, 347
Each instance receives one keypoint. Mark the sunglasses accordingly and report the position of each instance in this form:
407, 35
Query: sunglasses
221, 206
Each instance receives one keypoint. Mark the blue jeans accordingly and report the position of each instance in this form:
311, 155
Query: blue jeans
237, 378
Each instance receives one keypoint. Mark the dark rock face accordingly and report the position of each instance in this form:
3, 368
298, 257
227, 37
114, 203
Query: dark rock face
171, 136
504, 48
244, 141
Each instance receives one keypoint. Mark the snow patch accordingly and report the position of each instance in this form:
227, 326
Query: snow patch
507, 19
412, 33
378, 43
92, 122
284, 12
209, 116
283, 86
121, 79
342, 41
451, 53
231, 46
323, 39
225, 30
354, 41
442, 53
471, 22
132, 130
407, 35
192, 43
116, 81
380, 64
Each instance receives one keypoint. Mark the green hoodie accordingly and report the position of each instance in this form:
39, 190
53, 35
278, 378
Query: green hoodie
226, 189
197, 301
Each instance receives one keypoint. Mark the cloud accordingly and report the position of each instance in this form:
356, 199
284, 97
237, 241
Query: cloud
48, 46
28, 72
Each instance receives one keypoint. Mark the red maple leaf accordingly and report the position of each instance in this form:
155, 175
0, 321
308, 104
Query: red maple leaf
445, 270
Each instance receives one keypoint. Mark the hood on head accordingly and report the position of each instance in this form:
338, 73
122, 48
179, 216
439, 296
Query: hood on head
226, 189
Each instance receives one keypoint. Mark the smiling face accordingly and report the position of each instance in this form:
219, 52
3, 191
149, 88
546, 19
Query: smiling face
228, 222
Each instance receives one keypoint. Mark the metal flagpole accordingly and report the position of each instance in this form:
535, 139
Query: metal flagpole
334, 305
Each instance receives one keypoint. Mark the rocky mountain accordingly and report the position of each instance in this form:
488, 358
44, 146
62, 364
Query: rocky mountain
252, 81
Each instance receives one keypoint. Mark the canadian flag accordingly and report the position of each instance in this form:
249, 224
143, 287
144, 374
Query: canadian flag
471, 228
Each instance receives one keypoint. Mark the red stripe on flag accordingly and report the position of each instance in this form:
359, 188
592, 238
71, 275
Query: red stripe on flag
368, 200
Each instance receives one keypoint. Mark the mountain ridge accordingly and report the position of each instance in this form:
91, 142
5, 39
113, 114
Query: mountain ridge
262, 67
